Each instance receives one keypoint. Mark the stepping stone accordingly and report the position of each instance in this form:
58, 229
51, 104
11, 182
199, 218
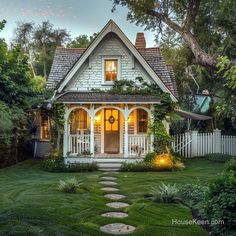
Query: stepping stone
108, 183
117, 205
110, 172
114, 196
117, 228
115, 214
108, 178
110, 189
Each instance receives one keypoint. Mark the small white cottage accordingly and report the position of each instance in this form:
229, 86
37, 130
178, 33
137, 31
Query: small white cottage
100, 124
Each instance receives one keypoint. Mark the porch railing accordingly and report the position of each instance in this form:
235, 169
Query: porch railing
138, 145
78, 144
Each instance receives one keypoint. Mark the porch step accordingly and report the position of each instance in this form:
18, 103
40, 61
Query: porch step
109, 166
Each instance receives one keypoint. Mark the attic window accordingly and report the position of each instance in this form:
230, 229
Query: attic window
111, 70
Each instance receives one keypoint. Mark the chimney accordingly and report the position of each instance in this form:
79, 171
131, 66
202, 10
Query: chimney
140, 41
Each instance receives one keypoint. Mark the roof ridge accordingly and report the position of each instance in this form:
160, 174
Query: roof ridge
66, 48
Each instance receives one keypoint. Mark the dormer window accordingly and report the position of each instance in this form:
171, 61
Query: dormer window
111, 67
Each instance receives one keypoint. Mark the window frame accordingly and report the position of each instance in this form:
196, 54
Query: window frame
137, 121
106, 58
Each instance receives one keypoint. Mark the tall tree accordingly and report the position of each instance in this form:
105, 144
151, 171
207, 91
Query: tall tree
82, 41
39, 43
181, 16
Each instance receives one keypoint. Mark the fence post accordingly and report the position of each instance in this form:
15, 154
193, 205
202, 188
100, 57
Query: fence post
216, 141
194, 149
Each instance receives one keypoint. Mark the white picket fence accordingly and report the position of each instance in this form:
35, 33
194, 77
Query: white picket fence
192, 143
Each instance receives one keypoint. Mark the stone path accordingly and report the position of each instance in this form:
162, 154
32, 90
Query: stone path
110, 189
108, 183
114, 196
108, 186
117, 228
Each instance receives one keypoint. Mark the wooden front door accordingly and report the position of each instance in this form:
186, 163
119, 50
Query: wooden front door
111, 131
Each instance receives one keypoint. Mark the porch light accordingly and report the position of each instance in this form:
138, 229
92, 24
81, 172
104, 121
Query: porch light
97, 118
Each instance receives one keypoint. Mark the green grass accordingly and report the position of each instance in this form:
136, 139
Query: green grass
30, 203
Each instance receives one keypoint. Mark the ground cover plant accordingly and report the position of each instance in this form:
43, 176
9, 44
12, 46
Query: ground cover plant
31, 205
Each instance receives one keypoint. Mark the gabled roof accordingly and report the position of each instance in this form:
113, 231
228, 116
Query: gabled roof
64, 59
150, 58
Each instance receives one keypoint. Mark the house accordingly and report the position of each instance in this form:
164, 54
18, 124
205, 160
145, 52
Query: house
99, 124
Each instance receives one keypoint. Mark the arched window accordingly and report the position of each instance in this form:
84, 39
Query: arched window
79, 121
142, 121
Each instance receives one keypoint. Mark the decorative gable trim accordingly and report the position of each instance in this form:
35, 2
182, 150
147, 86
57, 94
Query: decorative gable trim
111, 26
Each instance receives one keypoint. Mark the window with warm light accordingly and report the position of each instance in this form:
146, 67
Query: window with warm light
44, 127
142, 121
78, 121
111, 120
111, 70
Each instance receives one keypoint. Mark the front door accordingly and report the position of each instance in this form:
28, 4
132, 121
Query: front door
111, 131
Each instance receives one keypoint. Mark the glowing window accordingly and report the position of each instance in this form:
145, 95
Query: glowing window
142, 121
44, 127
111, 120
111, 69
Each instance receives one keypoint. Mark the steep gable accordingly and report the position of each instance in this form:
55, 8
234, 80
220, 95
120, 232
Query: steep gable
148, 62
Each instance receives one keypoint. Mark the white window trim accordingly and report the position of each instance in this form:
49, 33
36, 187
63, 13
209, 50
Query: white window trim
118, 58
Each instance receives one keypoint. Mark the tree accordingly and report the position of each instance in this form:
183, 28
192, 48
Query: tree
226, 106
39, 43
183, 17
82, 41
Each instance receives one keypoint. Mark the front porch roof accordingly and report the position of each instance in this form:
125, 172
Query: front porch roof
105, 97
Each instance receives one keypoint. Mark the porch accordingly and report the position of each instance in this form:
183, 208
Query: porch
107, 132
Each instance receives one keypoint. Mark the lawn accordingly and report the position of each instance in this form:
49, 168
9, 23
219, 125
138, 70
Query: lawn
30, 203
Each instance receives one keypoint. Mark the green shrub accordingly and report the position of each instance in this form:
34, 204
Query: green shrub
149, 157
137, 167
69, 185
231, 165
58, 165
218, 157
165, 193
193, 195
220, 204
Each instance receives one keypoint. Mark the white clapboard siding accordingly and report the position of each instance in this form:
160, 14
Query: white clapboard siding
192, 143
138, 145
79, 144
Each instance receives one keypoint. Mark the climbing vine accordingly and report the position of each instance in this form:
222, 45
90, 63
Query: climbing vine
162, 140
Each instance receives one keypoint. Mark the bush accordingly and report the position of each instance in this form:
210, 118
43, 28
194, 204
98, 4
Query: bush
193, 195
165, 193
149, 157
69, 186
58, 165
218, 157
221, 204
231, 165
137, 166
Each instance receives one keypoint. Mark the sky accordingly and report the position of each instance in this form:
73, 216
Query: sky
77, 16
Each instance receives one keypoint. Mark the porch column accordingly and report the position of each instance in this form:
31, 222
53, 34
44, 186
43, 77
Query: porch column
152, 135
126, 141
65, 136
92, 131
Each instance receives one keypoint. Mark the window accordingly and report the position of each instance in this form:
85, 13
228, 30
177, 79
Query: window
44, 127
111, 120
78, 121
110, 70
142, 121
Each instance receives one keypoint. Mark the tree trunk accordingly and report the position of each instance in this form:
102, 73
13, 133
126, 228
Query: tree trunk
202, 57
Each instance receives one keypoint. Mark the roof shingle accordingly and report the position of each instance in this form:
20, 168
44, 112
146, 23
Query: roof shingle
105, 97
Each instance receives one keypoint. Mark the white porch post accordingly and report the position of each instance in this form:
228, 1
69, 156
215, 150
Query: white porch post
152, 135
65, 136
126, 141
92, 115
